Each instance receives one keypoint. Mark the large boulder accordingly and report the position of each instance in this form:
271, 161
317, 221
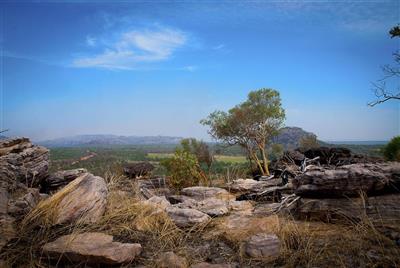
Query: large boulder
201, 193
348, 180
84, 200
61, 178
186, 217
28, 162
92, 248
261, 246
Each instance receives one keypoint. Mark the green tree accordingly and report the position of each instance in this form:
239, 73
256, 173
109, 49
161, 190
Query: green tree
250, 124
392, 150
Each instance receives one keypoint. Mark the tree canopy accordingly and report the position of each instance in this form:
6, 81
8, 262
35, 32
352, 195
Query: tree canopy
250, 124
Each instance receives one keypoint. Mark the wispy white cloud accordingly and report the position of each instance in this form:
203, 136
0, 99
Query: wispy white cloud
190, 68
90, 41
219, 47
136, 47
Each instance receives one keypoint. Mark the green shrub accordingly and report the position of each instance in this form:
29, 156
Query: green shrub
183, 170
392, 150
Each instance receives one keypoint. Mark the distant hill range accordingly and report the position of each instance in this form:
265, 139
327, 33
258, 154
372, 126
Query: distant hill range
289, 137
108, 140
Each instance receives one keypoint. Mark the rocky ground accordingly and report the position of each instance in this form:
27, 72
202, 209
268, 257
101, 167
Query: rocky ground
322, 208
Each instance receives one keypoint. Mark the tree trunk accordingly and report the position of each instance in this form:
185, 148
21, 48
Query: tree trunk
265, 160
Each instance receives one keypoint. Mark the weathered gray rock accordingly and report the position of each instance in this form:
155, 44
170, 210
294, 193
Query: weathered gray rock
200, 193
348, 180
384, 209
187, 217
245, 207
22, 205
211, 206
84, 200
92, 248
262, 246
61, 178
29, 163
171, 260
252, 186
157, 201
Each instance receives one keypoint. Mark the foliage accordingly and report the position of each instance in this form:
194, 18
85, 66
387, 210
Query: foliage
276, 151
309, 142
183, 170
251, 124
392, 150
200, 149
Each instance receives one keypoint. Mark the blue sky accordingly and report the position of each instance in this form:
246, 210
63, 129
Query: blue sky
158, 67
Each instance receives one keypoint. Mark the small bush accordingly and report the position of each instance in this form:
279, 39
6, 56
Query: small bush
184, 170
392, 150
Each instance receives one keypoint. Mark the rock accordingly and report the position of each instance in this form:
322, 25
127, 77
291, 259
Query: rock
348, 180
252, 186
61, 178
238, 227
245, 207
200, 193
262, 246
213, 207
383, 209
171, 260
157, 201
28, 162
137, 170
211, 265
7, 229
92, 248
187, 217
84, 200
21, 206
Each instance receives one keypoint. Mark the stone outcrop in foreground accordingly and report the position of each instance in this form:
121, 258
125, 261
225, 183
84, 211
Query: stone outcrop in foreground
92, 248
60, 179
261, 246
348, 180
84, 200
186, 217
28, 163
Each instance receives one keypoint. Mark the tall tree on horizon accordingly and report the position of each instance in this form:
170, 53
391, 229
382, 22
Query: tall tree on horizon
250, 124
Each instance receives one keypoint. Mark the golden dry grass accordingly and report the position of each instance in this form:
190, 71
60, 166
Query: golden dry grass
304, 244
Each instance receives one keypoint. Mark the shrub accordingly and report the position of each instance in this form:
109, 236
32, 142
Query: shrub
184, 170
392, 150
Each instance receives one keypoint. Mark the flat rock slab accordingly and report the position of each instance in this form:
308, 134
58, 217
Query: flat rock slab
200, 193
348, 180
261, 246
384, 209
186, 217
92, 248
84, 200
252, 186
